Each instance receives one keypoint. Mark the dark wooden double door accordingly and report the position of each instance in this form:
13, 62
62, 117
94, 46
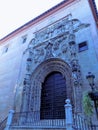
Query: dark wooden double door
53, 97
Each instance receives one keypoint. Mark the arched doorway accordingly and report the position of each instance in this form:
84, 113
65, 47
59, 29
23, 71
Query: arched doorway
53, 95
39, 78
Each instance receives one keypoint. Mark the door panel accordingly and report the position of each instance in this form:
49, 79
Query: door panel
53, 97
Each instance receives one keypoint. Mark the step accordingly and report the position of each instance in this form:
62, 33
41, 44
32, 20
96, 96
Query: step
34, 128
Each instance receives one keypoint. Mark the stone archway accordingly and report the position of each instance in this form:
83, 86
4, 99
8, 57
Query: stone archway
40, 73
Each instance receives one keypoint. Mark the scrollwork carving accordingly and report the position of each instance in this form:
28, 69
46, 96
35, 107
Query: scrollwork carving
60, 47
38, 55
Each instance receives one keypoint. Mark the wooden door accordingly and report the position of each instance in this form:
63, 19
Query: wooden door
53, 97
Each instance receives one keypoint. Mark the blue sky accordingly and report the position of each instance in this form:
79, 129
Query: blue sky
15, 13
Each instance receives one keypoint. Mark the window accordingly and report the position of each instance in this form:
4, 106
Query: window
5, 50
24, 38
82, 46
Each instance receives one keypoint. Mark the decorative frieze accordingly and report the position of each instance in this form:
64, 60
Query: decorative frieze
53, 41
62, 27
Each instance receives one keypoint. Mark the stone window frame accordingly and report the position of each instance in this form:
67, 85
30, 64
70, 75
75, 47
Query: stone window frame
83, 46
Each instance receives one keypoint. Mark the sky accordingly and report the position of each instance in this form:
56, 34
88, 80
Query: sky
15, 13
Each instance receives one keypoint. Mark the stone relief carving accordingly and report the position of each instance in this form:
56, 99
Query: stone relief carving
53, 41
48, 48
60, 48
64, 26
52, 48
38, 55
76, 72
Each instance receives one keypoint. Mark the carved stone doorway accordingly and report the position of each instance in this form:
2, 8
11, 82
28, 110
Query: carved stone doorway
53, 97
48, 68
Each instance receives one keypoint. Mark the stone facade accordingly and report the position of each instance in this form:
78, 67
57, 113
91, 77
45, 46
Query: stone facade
51, 44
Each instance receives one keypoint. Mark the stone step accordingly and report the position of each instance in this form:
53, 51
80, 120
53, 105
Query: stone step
35, 128
57, 124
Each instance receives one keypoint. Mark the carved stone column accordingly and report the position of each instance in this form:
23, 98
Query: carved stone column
26, 87
76, 73
26, 93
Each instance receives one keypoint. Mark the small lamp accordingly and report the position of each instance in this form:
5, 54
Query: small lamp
93, 95
90, 77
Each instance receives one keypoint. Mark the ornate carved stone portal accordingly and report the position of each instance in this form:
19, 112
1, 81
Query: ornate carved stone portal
53, 49
39, 75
